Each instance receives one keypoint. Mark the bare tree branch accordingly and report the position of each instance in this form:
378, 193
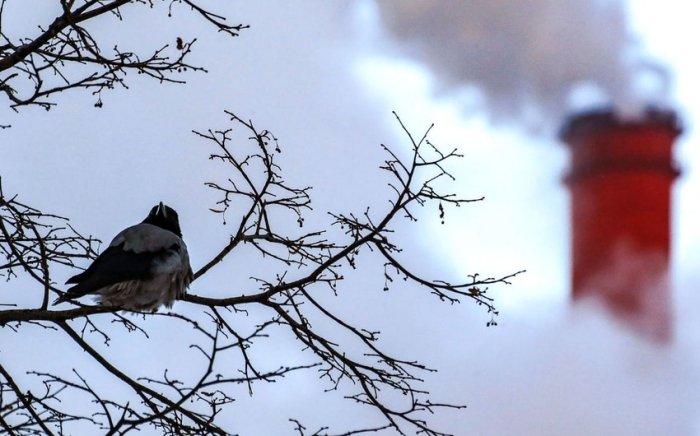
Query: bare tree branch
219, 329
65, 55
303, 266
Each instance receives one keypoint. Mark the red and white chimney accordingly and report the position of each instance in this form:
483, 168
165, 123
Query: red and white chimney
620, 181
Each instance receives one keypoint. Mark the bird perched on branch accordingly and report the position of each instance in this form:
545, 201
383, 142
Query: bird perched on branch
144, 267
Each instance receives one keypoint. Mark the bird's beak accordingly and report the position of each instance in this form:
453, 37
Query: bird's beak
162, 210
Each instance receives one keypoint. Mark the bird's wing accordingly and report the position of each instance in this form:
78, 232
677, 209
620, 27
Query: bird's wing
130, 256
145, 237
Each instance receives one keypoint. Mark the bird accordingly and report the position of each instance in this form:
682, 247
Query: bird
146, 266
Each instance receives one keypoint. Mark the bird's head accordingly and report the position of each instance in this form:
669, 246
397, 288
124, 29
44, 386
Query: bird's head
164, 217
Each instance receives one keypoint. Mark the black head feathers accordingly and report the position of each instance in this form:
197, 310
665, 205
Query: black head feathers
164, 217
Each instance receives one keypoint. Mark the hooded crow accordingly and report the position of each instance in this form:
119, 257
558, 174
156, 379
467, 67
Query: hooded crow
144, 267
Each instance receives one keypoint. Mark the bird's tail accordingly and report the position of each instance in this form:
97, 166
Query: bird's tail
61, 299
70, 294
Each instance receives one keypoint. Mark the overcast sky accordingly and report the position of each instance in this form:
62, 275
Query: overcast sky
324, 77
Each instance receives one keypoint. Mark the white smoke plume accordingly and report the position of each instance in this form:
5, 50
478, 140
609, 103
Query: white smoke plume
531, 61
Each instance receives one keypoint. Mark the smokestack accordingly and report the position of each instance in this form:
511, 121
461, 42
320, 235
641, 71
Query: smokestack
620, 182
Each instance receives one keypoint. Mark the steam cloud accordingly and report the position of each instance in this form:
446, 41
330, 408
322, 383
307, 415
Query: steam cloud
529, 62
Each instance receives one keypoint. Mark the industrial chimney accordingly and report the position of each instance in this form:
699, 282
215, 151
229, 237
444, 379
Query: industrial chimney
620, 181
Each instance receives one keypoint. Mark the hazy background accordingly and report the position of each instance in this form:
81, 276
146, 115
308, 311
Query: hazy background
496, 79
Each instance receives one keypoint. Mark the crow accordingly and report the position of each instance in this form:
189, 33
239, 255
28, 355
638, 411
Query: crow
145, 266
